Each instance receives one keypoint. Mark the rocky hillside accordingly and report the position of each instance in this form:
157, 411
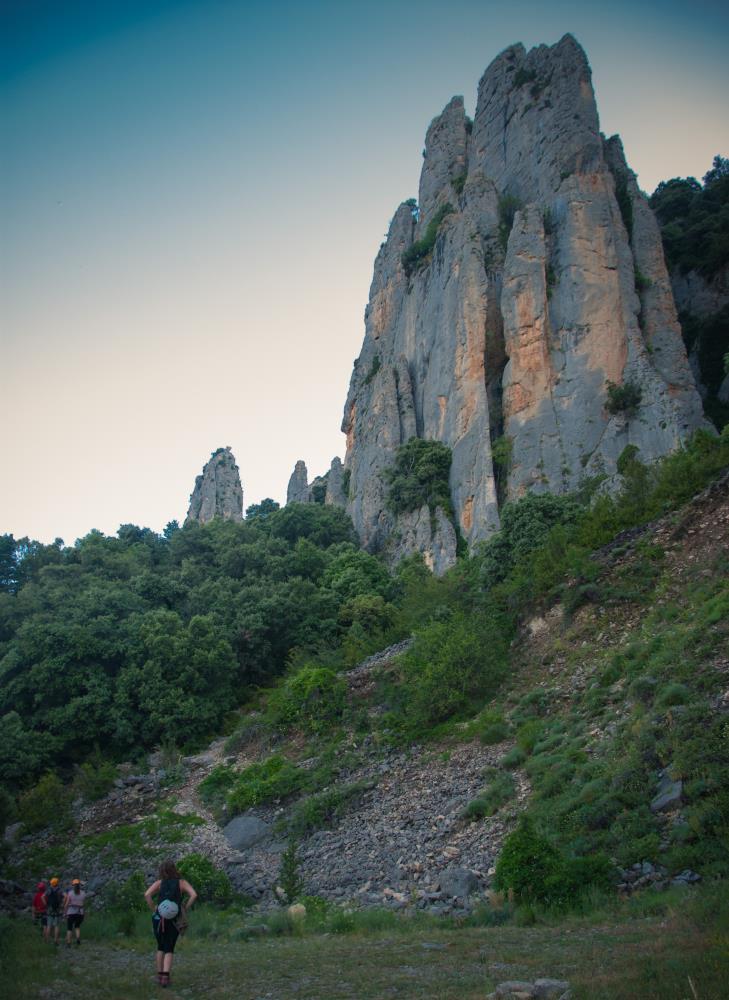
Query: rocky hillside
633, 657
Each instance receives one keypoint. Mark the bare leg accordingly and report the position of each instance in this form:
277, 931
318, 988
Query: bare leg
160, 960
167, 967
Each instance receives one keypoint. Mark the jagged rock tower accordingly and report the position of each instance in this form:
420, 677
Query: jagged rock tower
218, 491
545, 283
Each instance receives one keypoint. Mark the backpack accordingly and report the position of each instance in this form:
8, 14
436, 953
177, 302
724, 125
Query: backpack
53, 900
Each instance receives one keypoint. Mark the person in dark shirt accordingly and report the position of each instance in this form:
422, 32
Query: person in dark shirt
169, 914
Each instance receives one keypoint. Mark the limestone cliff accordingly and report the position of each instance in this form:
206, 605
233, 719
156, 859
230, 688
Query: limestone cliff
218, 491
529, 277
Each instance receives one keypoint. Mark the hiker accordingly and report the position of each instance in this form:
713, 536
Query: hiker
40, 914
54, 908
169, 914
73, 910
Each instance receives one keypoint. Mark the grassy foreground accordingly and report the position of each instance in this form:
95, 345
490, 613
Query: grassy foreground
670, 946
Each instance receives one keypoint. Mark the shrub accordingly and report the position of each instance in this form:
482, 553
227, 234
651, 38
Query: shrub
494, 732
312, 698
528, 865
289, 876
623, 398
523, 76
514, 758
501, 790
458, 183
594, 871
643, 689
214, 788
47, 803
323, 809
642, 283
672, 694
129, 896
509, 205
416, 255
94, 779
528, 735
211, 884
273, 778
452, 664
374, 368
525, 525
419, 476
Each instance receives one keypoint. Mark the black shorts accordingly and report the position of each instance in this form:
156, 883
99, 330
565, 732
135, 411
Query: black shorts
166, 934
42, 919
74, 920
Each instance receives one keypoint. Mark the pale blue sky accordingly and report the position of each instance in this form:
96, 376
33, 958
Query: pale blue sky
191, 198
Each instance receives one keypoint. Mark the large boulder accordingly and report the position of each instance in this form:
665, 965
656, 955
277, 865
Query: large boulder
245, 831
458, 883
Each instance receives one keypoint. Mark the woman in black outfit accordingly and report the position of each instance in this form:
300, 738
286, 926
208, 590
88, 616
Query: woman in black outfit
169, 888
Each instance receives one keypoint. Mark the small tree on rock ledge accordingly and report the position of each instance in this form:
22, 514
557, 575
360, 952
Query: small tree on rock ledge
623, 398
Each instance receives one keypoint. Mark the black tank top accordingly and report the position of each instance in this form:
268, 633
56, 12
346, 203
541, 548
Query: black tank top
170, 889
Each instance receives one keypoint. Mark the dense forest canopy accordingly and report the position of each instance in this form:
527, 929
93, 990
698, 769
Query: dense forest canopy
694, 219
130, 641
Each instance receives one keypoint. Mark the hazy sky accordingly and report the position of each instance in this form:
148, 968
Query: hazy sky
192, 193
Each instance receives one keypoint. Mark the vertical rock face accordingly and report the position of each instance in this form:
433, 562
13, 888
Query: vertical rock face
545, 282
218, 491
298, 488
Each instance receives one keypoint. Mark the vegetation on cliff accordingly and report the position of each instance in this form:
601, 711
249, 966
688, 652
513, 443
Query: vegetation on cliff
419, 477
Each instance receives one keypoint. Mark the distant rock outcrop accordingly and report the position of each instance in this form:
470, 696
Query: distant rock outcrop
529, 279
328, 488
218, 491
298, 488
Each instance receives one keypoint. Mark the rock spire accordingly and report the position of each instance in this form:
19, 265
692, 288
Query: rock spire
528, 280
218, 491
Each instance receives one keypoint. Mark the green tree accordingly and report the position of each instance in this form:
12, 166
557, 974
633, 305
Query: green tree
178, 684
353, 572
262, 509
419, 476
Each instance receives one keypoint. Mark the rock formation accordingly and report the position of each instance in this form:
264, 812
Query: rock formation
218, 491
298, 488
328, 488
534, 278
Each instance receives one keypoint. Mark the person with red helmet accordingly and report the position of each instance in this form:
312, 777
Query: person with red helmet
40, 909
